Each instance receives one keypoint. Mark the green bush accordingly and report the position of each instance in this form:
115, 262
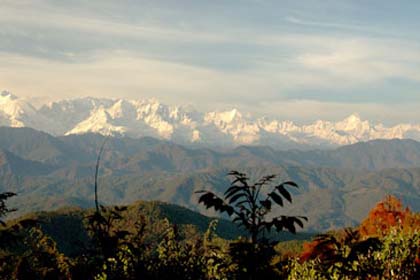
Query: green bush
395, 258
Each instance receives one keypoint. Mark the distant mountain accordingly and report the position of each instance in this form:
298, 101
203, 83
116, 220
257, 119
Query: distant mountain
337, 187
12, 165
184, 125
37, 146
16, 112
371, 155
149, 153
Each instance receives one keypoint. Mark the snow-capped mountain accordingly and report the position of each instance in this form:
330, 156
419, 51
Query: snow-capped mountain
137, 118
17, 112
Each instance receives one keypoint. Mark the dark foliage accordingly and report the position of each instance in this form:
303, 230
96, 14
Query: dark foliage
249, 208
4, 210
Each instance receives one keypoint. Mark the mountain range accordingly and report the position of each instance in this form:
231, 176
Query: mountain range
337, 187
185, 125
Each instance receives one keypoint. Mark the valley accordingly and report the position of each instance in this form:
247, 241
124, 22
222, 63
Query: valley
337, 186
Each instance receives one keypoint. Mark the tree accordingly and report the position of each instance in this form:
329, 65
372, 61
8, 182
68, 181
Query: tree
106, 237
41, 258
249, 205
245, 202
4, 210
386, 215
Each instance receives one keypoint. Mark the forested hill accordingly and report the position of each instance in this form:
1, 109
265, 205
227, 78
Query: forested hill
67, 226
337, 187
38, 146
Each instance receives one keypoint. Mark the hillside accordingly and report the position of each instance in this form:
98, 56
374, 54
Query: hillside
336, 186
67, 226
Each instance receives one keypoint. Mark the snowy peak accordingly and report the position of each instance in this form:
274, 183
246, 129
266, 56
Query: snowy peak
183, 124
353, 119
17, 112
353, 122
99, 121
6, 96
229, 116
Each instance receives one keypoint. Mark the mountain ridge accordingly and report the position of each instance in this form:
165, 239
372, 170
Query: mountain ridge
50, 172
231, 128
34, 145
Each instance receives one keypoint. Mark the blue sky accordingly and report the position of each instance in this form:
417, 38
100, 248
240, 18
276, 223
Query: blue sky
299, 60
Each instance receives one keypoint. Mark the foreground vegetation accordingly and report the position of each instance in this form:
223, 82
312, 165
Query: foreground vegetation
137, 242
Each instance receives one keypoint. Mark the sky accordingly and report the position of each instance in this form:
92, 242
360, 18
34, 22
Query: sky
296, 60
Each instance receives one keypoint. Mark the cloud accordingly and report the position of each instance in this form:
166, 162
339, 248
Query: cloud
225, 58
172, 83
307, 111
361, 61
299, 21
322, 73
49, 18
121, 73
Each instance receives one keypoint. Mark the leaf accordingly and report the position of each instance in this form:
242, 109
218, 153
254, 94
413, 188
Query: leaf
201, 191
278, 224
206, 198
6, 195
210, 200
265, 180
288, 223
232, 190
284, 192
239, 177
236, 197
228, 209
242, 219
243, 180
291, 221
236, 173
298, 221
239, 203
276, 198
291, 183
120, 208
266, 204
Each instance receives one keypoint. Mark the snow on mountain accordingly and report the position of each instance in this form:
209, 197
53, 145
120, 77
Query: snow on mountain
100, 121
69, 113
137, 118
17, 112
233, 124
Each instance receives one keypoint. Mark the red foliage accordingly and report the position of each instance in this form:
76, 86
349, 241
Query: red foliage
309, 250
386, 215
322, 247
381, 219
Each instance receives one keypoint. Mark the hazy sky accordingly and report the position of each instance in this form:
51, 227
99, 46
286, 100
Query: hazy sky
299, 60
